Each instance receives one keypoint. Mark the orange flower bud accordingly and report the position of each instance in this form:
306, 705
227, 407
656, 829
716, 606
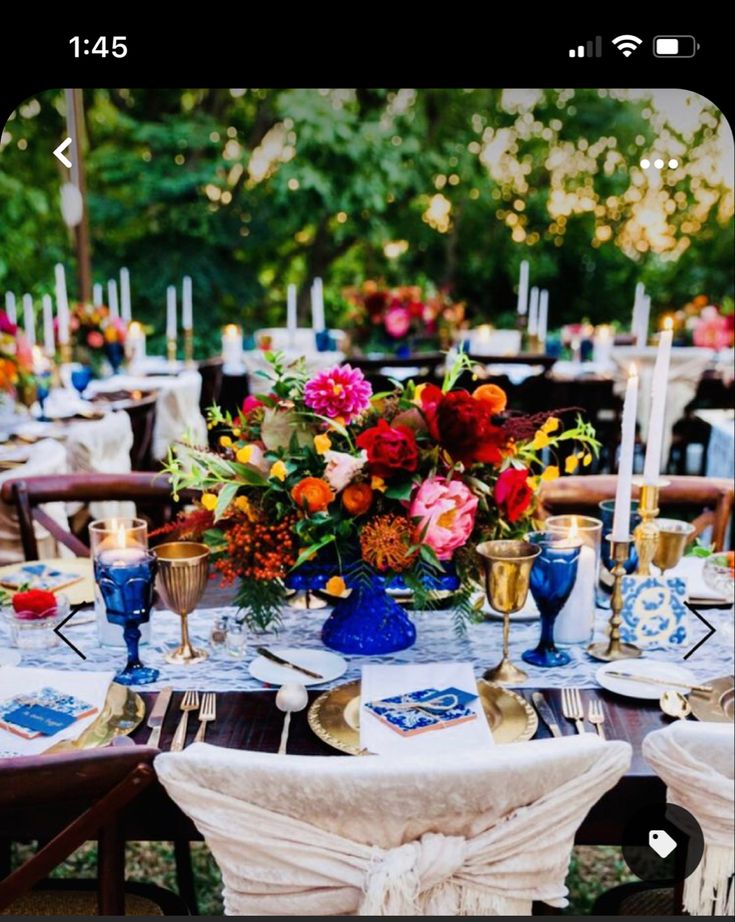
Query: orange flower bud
357, 498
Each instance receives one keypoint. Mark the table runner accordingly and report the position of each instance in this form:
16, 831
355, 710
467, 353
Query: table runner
436, 641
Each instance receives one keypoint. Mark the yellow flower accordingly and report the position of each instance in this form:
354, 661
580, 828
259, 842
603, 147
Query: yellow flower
236, 433
418, 392
551, 425
339, 421
377, 483
571, 464
587, 460
245, 453
335, 585
551, 473
278, 470
209, 501
540, 440
533, 482
225, 441
322, 443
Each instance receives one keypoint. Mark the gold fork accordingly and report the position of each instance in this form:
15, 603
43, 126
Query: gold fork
596, 717
207, 712
190, 702
571, 707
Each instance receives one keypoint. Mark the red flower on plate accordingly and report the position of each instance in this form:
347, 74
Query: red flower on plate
513, 493
34, 604
390, 449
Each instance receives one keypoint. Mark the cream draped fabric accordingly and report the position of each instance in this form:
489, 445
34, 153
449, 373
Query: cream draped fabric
462, 834
695, 760
102, 446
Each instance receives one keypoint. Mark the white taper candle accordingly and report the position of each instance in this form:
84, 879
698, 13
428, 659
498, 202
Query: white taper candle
533, 312
10, 308
62, 304
187, 315
125, 309
29, 320
543, 315
621, 516
112, 301
657, 419
171, 312
291, 316
48, 326
522, 306
97, 296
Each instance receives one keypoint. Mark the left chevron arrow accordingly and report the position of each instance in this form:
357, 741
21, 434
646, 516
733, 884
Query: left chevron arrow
57, 629
59, 153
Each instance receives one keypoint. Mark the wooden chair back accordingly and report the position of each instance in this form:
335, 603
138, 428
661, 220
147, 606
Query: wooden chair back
87, 792
151, 492
211, 372
142, 415
710, 498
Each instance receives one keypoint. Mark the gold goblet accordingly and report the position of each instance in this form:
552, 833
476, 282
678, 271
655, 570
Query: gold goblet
673, 537
183, 569
507, 570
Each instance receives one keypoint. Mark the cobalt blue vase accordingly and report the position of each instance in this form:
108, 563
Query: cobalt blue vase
368, 621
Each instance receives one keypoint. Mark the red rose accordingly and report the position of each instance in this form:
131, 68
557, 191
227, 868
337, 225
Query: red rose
465, 429
431, 397
390, 449
34, 604
513, 493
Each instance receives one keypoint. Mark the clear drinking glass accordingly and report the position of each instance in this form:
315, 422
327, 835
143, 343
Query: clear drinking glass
236, 640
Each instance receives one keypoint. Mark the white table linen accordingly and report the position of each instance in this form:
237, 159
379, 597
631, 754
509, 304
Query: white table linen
721, 446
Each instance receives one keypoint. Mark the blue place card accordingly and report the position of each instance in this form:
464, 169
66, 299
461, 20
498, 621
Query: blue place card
654, 613
427, 709
39, 719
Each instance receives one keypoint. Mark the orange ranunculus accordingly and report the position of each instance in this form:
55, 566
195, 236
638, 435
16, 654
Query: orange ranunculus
357, 498
492, 395
312, 494
111, 335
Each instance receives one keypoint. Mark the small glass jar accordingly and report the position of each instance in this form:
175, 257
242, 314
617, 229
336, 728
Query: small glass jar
36, 630
218, 634
236, 640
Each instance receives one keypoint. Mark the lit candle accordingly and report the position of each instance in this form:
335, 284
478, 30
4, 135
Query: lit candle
125, 308
657, 419
112, 299
135, 342
523, 288
29, 319
232, 344
621, 519
543, 315
187, 316
575, 621
603, 343
38, 360
10, 309
97, 294
533, 312
171, 312
48, 326
62, 304
317, 306
291, 316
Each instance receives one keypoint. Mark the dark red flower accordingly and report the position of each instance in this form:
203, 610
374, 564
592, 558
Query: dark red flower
375, 303
431, 397
34, 604
465, 429
512, 492
390, 449
6, 325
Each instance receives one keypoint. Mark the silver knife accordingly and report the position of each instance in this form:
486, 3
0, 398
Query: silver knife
275, 658
546, 714
158, 715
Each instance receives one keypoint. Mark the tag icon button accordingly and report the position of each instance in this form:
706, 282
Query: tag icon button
661, 842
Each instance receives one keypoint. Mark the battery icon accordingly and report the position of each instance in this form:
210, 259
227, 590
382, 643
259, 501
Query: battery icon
675, 46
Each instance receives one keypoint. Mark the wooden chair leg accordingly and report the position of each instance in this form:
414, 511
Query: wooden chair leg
111, 870
185, 875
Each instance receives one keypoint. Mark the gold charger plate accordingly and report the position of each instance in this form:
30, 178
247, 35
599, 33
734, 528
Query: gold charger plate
717, 706
335, 716
122, 712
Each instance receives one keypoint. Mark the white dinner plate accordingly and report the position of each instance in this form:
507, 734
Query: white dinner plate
9, 657
657, 669
329, 665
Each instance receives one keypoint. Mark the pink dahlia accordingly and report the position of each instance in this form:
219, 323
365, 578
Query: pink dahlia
445, 509
338, 392
397, 322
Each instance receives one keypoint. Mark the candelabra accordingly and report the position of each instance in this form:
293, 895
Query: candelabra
614, 648
189, 347
646, 533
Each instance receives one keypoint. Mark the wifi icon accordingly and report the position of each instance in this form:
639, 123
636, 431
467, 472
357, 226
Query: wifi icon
627, 44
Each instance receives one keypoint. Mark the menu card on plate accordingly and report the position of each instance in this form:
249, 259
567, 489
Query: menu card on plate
381, 682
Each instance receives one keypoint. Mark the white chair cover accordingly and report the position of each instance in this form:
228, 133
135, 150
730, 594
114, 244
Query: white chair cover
473, 833
102, 446
695, 760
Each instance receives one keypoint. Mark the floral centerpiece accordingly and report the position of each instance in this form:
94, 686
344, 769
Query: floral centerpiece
701, 323
16, 360
401, 320
97, 336
319, 473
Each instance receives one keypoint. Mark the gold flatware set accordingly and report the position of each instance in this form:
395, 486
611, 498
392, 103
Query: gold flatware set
207, 712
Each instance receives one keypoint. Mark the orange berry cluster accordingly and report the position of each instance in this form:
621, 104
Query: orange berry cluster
258, 550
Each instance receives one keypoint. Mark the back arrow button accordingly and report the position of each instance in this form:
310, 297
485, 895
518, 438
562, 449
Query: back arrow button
59, 153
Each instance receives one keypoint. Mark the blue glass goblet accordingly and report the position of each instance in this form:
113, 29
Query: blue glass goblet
607, 511
80, 378
115, 353
552, 580
43, 389
126, 578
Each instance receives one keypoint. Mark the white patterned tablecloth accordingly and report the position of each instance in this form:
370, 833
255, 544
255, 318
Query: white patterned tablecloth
721, 448
436, 642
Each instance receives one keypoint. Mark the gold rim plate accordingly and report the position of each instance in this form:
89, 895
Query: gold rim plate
335, 716
717, 706
123, 711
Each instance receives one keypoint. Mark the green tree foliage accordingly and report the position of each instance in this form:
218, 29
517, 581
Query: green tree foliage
248, 190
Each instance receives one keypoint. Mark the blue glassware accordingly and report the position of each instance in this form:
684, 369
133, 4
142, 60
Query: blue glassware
43, 389
126, 579
368, 620
323, 341
552, 579
80, 378
115, 354
607, 510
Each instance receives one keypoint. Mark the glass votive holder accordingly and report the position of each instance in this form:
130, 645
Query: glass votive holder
113, 534
218, 634
236, 640
36, 630
575, 622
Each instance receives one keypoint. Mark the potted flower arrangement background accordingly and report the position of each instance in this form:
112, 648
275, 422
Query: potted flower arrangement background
16, 364
97, 337
320, 473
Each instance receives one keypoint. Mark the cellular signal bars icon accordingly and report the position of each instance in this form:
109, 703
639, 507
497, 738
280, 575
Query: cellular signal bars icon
590, 49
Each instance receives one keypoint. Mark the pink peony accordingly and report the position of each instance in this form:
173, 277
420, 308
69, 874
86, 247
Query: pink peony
342, 467
712, 330
397, 322
448, 508
338, 392
95, 340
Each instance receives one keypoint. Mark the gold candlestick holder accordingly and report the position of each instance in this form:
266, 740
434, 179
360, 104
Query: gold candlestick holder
65, 353
646, 533
533, 344
507, 567
189, 348
614, 648
171, 349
